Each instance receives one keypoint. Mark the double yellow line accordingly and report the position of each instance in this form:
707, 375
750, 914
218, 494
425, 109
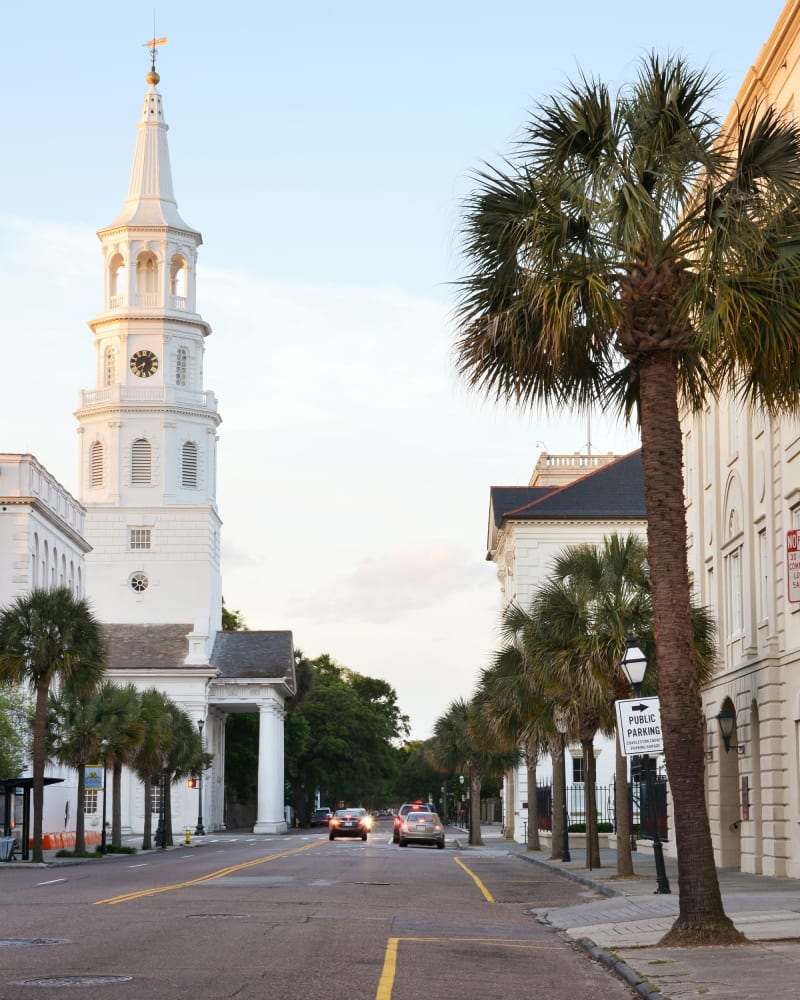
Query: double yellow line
127, 897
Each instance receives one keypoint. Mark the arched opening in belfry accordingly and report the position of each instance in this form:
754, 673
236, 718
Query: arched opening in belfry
116, 281
177, 282
146, 279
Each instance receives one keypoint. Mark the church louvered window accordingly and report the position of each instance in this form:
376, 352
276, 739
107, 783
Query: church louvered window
141, 462
189, 465
96, 463
182, 367
109, 366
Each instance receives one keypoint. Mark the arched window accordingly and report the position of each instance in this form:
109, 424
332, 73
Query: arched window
189, 465
146, 280
182, 367
45, 562
141, 462
177, 282
35, 579
116, 281
96, 464
109, 366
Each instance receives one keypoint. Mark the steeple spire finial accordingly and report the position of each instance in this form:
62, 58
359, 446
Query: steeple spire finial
153, 77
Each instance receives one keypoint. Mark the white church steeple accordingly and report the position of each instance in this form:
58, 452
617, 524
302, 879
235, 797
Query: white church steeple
148, 427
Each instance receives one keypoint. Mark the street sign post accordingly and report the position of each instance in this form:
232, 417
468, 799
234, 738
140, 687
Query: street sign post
639, 726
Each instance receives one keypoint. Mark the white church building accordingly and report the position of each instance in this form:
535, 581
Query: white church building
142, 539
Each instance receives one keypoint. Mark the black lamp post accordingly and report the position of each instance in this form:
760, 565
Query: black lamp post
162, 812
104, 750
199, 829
561, 726
634, 663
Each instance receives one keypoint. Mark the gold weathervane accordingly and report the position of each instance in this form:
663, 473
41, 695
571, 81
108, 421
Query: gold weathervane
153, 45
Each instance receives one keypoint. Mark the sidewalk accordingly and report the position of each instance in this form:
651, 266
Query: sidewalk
621, 930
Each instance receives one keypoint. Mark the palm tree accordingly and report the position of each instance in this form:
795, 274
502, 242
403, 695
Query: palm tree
73, 739
122, 728
633, 257
49, 636
150, 759
518, 714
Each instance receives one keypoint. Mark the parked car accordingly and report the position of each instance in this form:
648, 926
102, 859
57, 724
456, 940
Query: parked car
321, 817
421, 828
402, 812
353, 822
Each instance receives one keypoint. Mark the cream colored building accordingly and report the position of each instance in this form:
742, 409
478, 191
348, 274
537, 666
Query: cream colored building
742, 480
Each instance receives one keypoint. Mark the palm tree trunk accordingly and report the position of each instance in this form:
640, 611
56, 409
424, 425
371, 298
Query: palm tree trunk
533, 805
80, 810
701, 917
557, 792
116, 805
475, 839
590, 796
622, 814
147, 836
509, 802
167, 786
38, 762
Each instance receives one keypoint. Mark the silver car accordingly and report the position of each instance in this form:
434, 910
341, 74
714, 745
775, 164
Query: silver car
421, 828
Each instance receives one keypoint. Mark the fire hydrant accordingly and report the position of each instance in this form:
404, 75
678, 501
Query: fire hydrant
188, 839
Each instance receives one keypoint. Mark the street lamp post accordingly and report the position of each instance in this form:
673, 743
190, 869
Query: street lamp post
199, 829
634, 664
162, 812
104, 750
561, 726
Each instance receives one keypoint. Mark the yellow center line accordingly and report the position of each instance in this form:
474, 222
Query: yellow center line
386, 982
487, 895
220, 873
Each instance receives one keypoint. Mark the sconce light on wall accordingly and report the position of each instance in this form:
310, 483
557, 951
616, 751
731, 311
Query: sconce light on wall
727, 721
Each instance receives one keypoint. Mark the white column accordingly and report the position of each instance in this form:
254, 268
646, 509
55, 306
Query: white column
270, 817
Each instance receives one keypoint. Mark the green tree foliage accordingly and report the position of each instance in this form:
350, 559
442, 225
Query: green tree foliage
343, 739
49, 636
232, 621
15, 730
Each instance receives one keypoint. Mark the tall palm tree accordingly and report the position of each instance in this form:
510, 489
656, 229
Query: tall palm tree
49, 636
630, 255
73, 739
150, 759
122, 728
518, 714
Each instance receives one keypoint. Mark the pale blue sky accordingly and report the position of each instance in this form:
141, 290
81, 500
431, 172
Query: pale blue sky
323, 150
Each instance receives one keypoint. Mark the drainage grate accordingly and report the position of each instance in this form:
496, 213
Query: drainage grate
30, 942
60, 981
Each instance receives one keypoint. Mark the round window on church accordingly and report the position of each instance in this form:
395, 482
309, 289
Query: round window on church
139, 582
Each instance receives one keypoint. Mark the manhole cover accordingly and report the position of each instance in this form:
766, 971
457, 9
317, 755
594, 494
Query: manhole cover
30, 942
59, 981
218, 916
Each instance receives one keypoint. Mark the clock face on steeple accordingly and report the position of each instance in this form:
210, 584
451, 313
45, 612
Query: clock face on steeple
144, 363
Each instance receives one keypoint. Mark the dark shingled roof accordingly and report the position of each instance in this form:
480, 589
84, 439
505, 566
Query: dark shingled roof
254, 654
613, 491
151, 647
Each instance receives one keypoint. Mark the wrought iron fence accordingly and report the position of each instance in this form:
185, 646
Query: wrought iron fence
641, 810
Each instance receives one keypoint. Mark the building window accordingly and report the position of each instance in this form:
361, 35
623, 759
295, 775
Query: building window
96, 464
141, 462
182, 367
734, 561
763, 576
155, 801
189, 465
139, 539
688, 465
578, 776
710, 449
109, 366
139, 582
90, 801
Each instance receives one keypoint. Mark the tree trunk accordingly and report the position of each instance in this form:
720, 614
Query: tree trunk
39, 731
147, 836
475, 839
701, 917
509, 801
622, 814
167, 793
80, 811
533, 805
590, 803
557, 791
116, 805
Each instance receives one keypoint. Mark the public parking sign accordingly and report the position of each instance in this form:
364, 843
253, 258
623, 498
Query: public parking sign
639, 722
